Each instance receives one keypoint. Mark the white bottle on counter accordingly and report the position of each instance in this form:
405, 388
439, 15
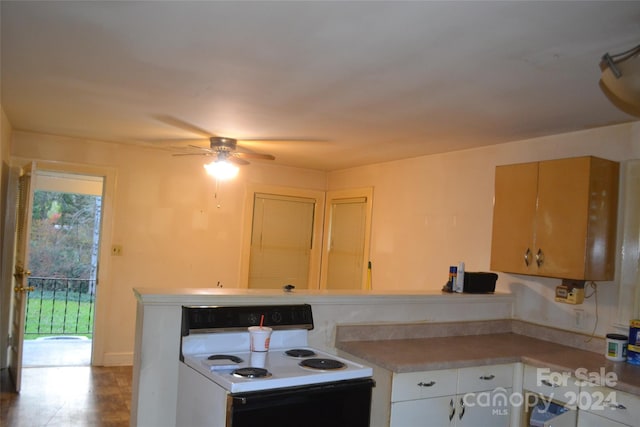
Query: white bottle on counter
459, 284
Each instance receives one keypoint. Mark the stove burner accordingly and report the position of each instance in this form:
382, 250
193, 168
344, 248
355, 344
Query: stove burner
234, 359
300, 352
323, 364
251, 372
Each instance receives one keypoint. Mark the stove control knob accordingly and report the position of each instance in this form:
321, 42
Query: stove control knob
276, 316
254, 319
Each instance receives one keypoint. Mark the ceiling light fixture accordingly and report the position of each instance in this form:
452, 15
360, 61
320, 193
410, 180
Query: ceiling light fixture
221, 168
620, 80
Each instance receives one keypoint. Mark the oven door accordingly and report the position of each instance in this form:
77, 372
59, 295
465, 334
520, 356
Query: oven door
343, 403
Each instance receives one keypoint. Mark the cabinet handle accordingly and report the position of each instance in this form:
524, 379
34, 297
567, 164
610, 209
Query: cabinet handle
461, 409
429, 384
549, 383
452, 410
614, 405
540, 258
487, 377
527, 254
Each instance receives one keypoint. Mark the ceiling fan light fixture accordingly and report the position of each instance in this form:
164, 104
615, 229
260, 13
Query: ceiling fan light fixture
620, 79
222, 169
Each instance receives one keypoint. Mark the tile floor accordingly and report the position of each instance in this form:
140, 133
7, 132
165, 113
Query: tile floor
59, 388
78, 396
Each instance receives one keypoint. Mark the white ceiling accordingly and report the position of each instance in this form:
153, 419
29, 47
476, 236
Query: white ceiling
343, 83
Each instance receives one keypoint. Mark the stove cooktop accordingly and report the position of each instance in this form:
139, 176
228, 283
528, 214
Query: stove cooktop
282, 370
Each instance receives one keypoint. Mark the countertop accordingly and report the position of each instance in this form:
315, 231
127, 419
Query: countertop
244, 296
424, 354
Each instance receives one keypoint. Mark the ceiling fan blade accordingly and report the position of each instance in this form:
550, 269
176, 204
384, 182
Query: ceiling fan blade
173, 142
258, 156
283, 139
237, 161
192, 154
197, 147
176, 122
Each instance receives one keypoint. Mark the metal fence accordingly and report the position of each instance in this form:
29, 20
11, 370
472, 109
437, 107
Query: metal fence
60, 306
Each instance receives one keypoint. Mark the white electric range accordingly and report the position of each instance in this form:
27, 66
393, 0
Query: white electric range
218, 372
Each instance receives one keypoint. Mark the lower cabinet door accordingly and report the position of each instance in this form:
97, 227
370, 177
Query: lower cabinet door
587, 419
484, 409
432, 412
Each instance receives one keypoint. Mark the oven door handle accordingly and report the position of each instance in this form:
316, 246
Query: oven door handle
239, 400
252, 398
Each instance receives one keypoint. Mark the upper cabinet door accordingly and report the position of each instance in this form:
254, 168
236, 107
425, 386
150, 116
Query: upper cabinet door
514, 213
561, 217
572, 222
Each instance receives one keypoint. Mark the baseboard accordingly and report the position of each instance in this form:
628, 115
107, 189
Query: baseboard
118, 359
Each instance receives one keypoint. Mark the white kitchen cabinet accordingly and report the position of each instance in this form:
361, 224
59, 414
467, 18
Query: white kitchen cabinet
556, 218
545, 385
422, 385
434, 411
589, 419
423, 398
557, 386
603, 406
483, 396
453, 397
490, 408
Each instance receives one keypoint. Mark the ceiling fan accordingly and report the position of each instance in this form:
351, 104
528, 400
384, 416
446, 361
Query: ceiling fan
225, 149
226, 157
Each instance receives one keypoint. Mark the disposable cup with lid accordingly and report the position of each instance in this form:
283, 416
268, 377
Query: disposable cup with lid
259, 338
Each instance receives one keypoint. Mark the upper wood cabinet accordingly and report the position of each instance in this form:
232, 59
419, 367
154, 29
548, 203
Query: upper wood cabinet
556, 218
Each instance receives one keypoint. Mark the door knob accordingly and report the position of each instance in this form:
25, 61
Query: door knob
20, 272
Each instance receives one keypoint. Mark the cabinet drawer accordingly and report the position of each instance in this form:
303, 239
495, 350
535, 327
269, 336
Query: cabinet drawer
481, 378
556, 386
420, 385
609, 403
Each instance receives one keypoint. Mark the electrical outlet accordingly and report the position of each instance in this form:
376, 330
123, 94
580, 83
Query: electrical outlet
579, 318
116, 250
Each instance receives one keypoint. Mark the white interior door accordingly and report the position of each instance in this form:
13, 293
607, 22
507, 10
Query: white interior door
345, 259
281, 241
21, 273
346, 243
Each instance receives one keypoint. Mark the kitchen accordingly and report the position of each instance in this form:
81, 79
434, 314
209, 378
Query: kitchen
429, 212
532, 298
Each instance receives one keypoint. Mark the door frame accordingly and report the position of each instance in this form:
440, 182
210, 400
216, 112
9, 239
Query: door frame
109, 175
314, 257
352, 193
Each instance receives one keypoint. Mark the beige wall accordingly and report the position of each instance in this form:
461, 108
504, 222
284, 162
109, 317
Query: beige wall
432, 212
173, 232
429, 212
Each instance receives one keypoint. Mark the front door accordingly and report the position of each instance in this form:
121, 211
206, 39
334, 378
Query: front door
21, 273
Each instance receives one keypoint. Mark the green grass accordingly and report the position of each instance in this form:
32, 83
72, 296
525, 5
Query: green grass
49, 315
